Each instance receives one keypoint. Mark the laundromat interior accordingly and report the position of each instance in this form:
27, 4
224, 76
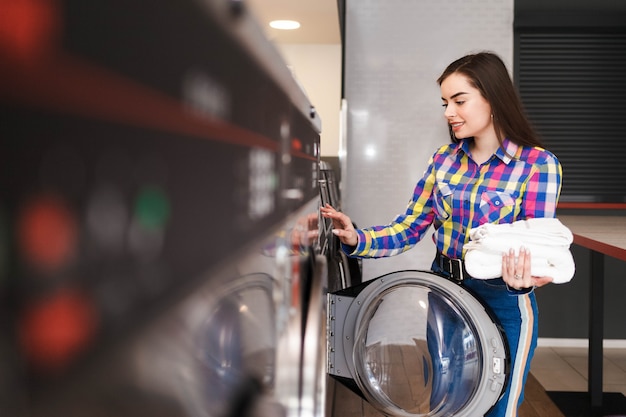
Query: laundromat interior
162, 167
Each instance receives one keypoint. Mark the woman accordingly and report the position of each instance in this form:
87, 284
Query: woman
494, 171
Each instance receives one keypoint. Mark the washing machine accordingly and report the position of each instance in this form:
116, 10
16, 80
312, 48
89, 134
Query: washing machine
413, 343
159, 206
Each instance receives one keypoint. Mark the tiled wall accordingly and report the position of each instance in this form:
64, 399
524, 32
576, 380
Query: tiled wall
395, 50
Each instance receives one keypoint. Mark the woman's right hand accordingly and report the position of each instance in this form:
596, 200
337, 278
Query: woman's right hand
342, 225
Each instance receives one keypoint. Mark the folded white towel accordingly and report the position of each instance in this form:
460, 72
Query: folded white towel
547, 239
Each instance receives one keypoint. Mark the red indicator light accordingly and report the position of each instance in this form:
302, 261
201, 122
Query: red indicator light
27, 27
55, 329
47, 233
296, 144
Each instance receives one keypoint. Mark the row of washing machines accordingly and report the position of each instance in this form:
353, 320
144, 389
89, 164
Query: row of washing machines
161, 249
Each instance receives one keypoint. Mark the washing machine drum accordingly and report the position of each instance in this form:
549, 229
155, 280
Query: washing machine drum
415, 344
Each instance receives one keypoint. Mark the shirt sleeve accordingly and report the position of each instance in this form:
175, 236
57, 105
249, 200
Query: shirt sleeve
405, 230
543, 188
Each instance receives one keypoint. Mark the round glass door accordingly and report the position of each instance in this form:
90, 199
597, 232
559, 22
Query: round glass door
424, 346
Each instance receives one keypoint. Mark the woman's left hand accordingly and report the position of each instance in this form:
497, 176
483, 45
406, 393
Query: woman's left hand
516, 271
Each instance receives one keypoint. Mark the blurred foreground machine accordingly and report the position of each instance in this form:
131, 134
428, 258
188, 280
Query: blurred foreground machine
159, 245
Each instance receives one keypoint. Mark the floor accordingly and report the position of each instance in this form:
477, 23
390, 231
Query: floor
552, 369
565, 369
344, 403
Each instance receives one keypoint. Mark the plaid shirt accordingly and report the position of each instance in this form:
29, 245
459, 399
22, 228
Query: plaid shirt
455, 195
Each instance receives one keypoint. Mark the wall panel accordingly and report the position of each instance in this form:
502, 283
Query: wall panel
395, 50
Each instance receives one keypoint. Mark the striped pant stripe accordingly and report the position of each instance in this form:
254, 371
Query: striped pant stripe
522, 356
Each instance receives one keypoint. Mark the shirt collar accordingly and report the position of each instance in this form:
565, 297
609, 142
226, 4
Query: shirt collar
464, 146
510, 151
505, 152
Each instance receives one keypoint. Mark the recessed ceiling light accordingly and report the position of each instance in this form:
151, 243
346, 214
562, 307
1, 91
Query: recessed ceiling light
285, 24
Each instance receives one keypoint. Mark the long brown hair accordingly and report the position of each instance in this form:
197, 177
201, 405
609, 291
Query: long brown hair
486, 72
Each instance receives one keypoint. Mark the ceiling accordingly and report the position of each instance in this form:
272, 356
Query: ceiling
319, 20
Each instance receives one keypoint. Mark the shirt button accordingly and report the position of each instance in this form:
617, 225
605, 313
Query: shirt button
497, 203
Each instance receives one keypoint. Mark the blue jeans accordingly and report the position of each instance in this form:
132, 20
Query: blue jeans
517, 314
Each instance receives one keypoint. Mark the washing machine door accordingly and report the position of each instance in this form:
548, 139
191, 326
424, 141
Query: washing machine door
415, 344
